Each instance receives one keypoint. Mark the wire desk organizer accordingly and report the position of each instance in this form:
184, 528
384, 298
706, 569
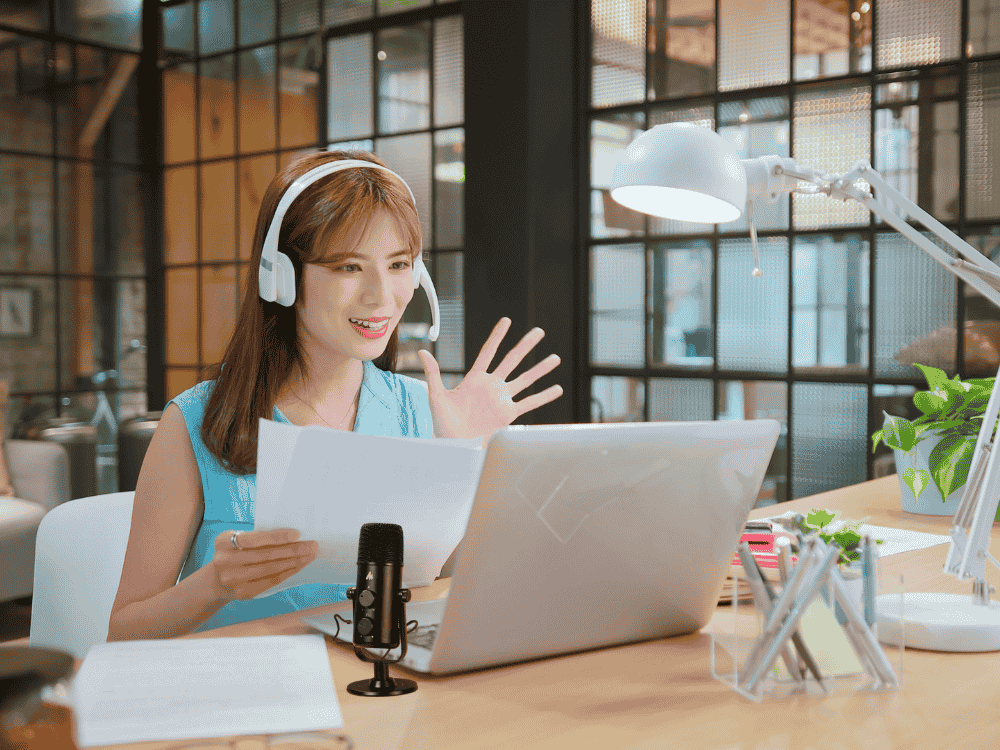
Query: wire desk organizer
775, 630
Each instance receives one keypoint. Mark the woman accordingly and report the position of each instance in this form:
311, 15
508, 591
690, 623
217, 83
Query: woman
351, 238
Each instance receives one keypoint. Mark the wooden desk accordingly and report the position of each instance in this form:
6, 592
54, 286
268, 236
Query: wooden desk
660, 694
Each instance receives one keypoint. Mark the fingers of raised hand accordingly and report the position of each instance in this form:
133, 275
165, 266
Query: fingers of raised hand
519, 352
489, 350
539, 399
528, 377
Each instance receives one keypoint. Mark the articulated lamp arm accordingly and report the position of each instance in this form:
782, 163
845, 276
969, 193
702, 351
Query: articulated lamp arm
970, 533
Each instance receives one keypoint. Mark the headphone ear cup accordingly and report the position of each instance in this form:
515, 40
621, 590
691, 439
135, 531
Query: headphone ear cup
286, 280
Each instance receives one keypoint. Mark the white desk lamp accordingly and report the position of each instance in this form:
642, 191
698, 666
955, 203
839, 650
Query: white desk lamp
691, 173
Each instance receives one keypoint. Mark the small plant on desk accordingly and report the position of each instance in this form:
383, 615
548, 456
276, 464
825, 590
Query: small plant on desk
820, 521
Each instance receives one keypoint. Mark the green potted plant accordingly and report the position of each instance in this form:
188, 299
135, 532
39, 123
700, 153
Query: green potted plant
934, 451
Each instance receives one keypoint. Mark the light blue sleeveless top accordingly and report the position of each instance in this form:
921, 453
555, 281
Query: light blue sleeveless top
388, 404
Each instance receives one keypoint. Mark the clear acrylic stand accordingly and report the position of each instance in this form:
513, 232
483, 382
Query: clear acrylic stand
817, 635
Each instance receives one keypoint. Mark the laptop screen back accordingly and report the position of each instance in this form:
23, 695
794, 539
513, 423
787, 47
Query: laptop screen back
590, 535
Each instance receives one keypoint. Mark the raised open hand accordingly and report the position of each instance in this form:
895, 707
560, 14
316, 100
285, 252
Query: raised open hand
484, 401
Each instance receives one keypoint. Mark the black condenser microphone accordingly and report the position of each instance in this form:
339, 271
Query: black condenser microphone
379, 606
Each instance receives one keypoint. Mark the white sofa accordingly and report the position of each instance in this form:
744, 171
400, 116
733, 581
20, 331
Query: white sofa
40, 476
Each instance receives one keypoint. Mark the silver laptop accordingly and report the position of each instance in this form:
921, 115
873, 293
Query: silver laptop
590, 535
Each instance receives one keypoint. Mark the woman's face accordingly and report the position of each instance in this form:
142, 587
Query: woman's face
348, 309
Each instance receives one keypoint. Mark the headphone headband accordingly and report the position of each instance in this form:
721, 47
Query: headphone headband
276, 275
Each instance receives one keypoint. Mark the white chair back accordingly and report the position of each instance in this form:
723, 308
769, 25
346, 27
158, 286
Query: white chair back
79, 554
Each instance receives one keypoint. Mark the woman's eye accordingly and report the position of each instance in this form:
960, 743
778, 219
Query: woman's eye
349, 267
401, 264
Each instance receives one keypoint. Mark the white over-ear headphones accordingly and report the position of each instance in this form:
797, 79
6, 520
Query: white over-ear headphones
276, 276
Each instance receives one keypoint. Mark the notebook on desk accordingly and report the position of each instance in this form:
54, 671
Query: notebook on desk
591, 535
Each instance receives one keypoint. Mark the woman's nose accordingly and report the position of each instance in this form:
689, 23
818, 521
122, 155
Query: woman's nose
377, 287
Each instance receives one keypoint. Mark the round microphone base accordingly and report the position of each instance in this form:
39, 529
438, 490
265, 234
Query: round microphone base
382, 687
381, 684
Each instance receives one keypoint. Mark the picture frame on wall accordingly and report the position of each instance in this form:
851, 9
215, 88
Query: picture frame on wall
17, 312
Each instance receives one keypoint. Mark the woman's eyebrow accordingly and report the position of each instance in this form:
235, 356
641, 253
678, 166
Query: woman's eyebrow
404, 253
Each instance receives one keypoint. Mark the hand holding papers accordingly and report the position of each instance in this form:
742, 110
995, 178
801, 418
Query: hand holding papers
327, 483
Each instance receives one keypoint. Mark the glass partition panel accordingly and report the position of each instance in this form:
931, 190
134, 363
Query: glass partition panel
682, 47
349, 80
257, 91
982, 128
255, 175
215, 83
617, 303
818, 113
753, 312
618, 52
218, 211
410, 157
832, 38
215, 26
28, 332
178, 29
26, 207
181, 320
830, 304
984, 27
298, 16
915, 309
403, 74
679, 399
179, 217
336, 12
917, 32
608, 136
117, 24
24, 64
385, 7
757, 127
760, 399
218, 310
829, 443
982, 317
616, 399
449, 188
753, 43
256, 21
178, 114
298, 85
680, 303
448, 280
32, 15
449, 71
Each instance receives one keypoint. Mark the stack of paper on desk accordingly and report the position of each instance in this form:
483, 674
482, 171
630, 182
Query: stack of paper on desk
140, 691
327, 483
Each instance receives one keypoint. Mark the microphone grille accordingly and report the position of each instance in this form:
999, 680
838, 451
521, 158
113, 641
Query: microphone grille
381, 543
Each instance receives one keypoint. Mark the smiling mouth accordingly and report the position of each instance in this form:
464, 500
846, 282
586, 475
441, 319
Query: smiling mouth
371, 324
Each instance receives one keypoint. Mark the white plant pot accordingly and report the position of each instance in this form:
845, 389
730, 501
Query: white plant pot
930, 502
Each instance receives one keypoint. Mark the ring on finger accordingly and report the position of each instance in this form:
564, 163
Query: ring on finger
234, 541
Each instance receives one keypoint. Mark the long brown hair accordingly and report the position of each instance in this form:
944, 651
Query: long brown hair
264, 345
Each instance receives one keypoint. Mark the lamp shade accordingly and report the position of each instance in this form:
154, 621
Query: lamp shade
681, 171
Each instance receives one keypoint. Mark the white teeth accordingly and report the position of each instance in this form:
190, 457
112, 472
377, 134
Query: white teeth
370, 325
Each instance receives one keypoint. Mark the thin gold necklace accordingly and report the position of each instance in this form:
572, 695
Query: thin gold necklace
313, 408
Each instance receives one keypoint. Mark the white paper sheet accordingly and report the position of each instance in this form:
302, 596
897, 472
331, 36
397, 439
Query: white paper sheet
142, 691
327, 483
894, 540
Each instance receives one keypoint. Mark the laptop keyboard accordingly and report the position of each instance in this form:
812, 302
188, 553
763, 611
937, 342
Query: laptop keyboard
423, 636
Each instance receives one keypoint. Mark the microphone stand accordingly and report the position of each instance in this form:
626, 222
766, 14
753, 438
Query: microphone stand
382, 684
